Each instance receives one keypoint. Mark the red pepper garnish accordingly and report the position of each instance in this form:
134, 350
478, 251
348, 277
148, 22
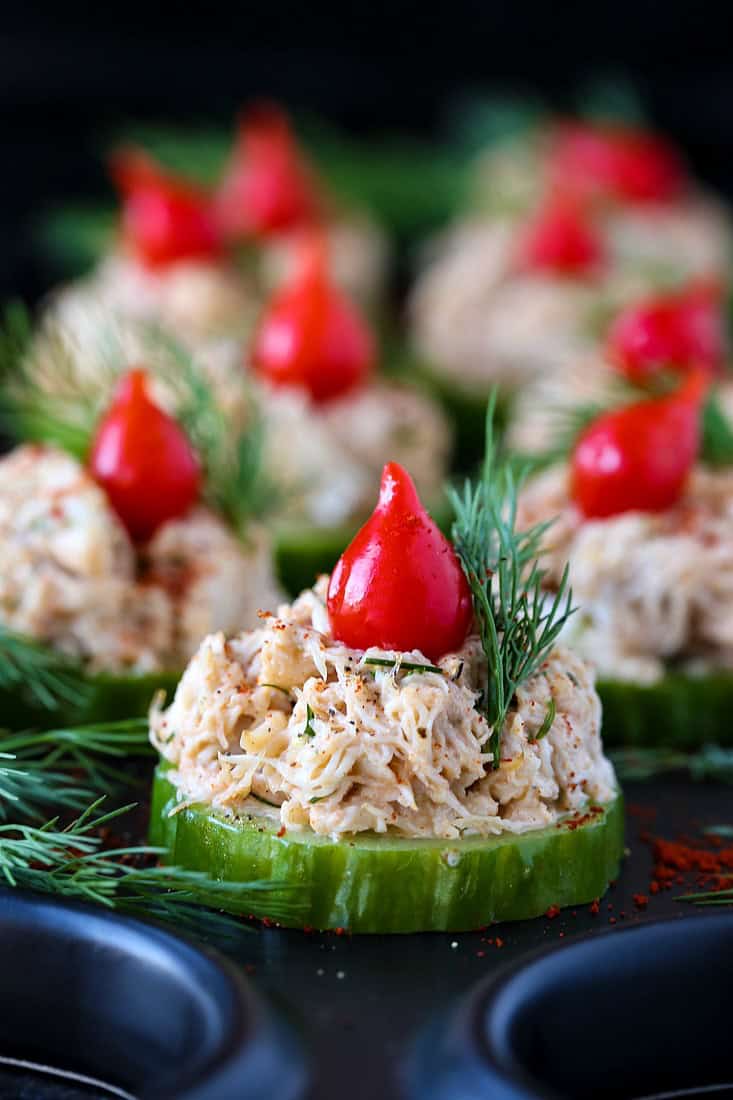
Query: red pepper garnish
679, 330
311, 335
615, 162
560, 238
399, 584
143, 460
164, 219
268, 187
637, 458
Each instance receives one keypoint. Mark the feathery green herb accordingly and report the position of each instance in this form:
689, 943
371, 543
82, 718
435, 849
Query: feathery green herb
41, 400
518, 621
72, 862
712, 897
39, 674
719, 830
708, 762
236, 483
65, 768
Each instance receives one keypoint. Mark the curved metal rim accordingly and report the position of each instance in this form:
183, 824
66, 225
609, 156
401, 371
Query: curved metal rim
248, 1029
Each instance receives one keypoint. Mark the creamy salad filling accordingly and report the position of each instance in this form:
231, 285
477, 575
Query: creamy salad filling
328, 458
358, 257
654, 590
198, 301
71, 578
287, 723
542, 411
477, 317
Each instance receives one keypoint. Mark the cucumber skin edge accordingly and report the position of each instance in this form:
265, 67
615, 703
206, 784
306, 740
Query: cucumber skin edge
678, 712
397, 885
110, 698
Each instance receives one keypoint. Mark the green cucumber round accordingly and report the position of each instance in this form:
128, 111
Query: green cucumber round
373, 883
104, 698
678, 712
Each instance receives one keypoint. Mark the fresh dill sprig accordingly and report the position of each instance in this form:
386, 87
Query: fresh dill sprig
236, 483
39, 674
27, 790
65, 768
71, 862
518, 622
711, 897
62, 414
719, 830
708, 762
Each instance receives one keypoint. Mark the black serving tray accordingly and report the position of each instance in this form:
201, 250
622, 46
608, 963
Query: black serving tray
365, 1003
645, 1013
96, 1005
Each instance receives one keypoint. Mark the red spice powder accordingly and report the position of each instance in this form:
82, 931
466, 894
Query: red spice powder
712, 866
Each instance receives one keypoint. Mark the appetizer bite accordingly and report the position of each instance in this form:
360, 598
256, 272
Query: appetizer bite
405, 743
122, 556
671, 331
199, 260
514, 294
645, 507
328, 416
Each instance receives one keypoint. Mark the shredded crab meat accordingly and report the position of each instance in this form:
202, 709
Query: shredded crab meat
288, 716
70, 576
651, 588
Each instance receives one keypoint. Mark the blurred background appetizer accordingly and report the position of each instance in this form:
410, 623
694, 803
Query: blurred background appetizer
675, 330
645, 505
199, 256
578, 220
124, 547
311, 366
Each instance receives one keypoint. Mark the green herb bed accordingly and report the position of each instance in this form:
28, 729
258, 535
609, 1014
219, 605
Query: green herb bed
101, 698
679, 712
395, 884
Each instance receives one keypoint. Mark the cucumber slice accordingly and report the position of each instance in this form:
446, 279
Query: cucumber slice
678, 712
301, 554
106, 699
395, 884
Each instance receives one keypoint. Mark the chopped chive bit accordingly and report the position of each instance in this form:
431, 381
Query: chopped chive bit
401, 666
546, 722
309, 716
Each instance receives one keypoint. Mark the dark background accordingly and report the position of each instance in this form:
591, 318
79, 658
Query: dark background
69, 71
